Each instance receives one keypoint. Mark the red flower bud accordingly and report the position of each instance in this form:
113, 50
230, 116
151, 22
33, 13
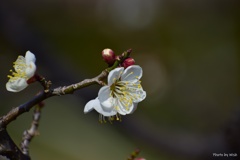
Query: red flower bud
108, 56
128, 62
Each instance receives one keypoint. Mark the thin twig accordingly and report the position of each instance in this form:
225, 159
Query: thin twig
32, 131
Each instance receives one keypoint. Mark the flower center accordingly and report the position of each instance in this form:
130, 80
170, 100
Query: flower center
20, 67
126, 92
117, 89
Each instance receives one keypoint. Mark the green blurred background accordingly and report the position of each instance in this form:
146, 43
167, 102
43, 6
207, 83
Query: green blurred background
189, 52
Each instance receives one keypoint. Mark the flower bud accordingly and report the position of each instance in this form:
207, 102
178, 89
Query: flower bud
108, 56
128, 62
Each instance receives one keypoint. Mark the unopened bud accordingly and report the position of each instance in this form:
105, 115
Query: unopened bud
128, 62
108, 56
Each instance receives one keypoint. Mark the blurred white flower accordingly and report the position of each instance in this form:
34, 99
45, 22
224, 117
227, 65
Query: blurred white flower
24, 69
121, 95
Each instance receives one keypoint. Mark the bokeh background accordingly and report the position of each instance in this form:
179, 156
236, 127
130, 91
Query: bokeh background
189, 52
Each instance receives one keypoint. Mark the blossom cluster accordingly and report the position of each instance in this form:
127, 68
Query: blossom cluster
119, 97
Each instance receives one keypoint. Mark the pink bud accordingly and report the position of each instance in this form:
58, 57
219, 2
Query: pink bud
128, 62
108, 56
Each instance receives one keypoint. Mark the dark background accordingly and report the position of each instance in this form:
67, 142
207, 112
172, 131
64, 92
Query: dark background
189, 52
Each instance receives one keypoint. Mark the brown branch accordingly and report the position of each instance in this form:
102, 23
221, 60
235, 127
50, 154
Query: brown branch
33, 131
8, 148
15, 112
46, 84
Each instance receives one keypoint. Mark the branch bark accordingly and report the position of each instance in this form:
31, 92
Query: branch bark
8, 148
32, 131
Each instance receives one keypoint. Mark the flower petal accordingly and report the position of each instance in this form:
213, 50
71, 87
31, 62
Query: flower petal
16, 85
90, 105
108, 105
30, 57
123, 108
137, 94
131, 73
104, 94
120, 109
134, 108
105, 113
142, 95
98, 107
114, 75
30, 70
121, 112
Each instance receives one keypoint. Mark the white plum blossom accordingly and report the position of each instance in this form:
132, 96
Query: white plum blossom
121, 95
24, 69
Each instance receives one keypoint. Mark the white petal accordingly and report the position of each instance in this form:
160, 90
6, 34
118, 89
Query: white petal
132, 73
114, 75
30, 70
30, 57
123, 110
106, 113
143, 95
105, 98
140, 95
108, 105
90, 105
130, 108
134, 108
98, 107
16, 85
104, 92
